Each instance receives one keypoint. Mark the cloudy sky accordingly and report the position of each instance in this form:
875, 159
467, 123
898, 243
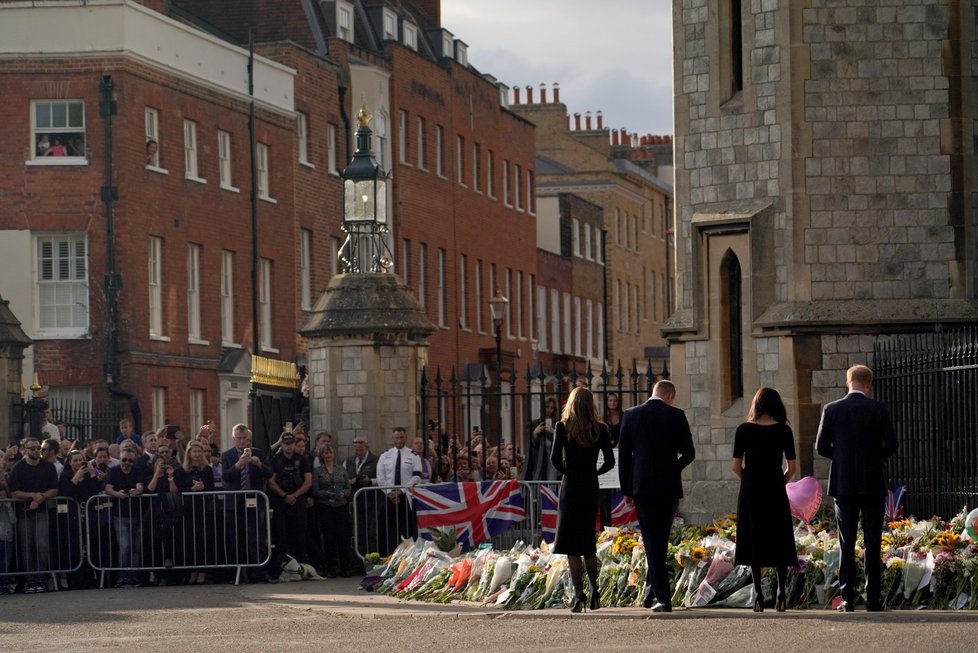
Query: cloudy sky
613, 56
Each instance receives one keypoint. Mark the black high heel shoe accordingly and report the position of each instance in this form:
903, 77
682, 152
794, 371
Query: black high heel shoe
782, 603
595, 602
759, 604
580, 604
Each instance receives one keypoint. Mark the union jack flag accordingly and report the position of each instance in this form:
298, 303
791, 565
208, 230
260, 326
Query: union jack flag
622, 514
477, 510
548, 513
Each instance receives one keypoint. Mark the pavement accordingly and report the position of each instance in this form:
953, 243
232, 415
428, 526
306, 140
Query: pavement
335, 615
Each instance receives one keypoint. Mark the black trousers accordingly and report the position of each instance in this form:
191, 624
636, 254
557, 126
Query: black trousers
848, 510
289, 526
655, 516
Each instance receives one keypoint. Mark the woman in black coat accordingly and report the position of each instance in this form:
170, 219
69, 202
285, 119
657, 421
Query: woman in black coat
578, 437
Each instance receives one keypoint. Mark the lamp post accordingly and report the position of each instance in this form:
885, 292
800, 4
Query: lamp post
497, 308
365, 207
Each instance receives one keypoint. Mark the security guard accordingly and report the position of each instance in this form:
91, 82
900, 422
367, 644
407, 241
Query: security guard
291, 479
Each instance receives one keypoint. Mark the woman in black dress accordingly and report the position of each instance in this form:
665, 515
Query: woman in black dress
578, 437
198, 512
765, 536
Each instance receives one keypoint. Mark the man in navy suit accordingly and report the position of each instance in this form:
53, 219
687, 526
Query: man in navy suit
857, 435
655, 446
245, 468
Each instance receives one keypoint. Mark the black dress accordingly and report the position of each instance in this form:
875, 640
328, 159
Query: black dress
765, 532
577, 507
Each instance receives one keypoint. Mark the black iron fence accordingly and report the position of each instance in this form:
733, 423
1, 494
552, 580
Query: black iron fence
929, 382
473, 406
81, 420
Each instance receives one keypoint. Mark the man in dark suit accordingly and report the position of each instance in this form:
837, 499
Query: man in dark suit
245, 468
361, 469
857, 435
655, 446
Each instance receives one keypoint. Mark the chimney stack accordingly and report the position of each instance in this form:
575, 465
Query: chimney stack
516, 95
614, 137
543, 93
600, 120
577, 121
529, 94
556, 92
587, 120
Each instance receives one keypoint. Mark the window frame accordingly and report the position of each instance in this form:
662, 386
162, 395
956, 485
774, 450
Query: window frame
79, 286
227, 298
265, 305
262, 190
191, 158
151, 124
302, 133
225, 170
305, 269
65, 132
193, 294
155, 285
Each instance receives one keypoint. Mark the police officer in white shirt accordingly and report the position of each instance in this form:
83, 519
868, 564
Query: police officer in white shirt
398, 467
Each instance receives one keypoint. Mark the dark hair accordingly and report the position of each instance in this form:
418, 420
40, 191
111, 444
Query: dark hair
768, 402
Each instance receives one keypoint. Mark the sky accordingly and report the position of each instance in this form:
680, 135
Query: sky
613, 56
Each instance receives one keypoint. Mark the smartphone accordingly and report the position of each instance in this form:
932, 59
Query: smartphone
550, 423
247, 451
475, 429
288, 426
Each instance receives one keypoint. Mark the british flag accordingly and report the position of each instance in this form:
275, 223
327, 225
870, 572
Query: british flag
623, 515
548, 513
477, 510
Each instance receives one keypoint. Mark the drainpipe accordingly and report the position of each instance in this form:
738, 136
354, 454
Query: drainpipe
113, 280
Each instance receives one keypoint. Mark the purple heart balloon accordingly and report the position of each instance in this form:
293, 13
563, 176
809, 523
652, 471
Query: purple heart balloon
804, 497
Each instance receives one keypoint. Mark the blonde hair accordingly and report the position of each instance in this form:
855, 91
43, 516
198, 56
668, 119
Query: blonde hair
580, 419
186, 457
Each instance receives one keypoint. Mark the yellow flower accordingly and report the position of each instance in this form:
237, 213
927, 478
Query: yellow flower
697, 553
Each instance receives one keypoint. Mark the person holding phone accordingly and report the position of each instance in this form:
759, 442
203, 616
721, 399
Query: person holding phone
246, 468
538, 467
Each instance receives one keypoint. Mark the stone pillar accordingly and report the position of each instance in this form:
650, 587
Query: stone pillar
13, 342
368, 341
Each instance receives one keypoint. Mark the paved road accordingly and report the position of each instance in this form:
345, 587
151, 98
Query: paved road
335, 616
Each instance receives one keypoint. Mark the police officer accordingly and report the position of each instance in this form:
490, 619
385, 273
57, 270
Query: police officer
290, 481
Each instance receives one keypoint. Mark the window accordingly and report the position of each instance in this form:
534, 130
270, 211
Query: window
441, 287
227, 298
59, 131
618, 304
478, 296
508, 292
601, 351
153, 145
566, 346
440, 151
531, 205
577, 324
302, 126
261, 164
447, 44
731, 333
422, 251
516, 187
617, 226
334, 256
507, 200
265, 303
62, 284
463, 299
492, 287
406, 261
636, 307
490, 172
390, 25
531, 292
555, 320
542, 317
476, 166
78, 397
519, 304
155, 287
461, 54
159, 407
600, 238
587, 242
344, 20
402, 136
422, 159
589, 328
651, 308
193, 292
410, 35
331, 148
224, 159
575, 237
305, 263
190, 150
381, 140
196, 408
460, 159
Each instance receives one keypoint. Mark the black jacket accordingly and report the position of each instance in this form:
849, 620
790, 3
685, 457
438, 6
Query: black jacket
655, 446
857, 435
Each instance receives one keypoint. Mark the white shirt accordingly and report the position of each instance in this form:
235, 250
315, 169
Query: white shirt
410, 467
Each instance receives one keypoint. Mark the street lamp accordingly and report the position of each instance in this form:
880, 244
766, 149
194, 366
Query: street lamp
497, 308
364, 207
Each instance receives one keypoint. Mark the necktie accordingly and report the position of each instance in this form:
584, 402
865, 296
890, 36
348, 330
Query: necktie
397, 469
246, 477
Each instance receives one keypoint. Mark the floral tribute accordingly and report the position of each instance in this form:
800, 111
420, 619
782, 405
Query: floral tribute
928, 563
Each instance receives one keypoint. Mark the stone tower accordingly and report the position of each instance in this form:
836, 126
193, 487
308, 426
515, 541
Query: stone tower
825, 198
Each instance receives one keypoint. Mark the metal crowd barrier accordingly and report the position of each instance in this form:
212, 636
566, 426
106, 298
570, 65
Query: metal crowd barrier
379, 523
193, 531
46, 541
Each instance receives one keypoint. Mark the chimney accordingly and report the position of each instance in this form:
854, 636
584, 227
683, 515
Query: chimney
577, 121
516, 95
556, 92
622, 136
529, 94
543, 93
614, 137
587, 120
600, 120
